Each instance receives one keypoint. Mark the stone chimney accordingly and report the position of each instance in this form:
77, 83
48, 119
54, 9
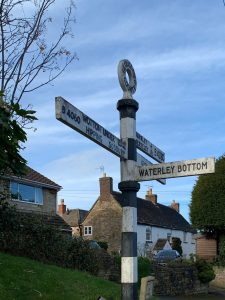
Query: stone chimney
61, 208
151, 197
175, 205
106, 185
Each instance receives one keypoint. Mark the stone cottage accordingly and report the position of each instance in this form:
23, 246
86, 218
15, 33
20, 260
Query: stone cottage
73, 217
33, 193
154, 221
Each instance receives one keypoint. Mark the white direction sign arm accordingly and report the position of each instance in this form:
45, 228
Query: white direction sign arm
176, 169
76, 119
148, 148
142, 161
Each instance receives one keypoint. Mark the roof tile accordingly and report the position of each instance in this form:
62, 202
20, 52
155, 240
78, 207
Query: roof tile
157, 215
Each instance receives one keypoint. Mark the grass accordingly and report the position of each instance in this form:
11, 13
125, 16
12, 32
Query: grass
23, 279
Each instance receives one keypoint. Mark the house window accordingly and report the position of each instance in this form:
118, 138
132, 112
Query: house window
185, 237
169, 237
26, 193
87, 230
148, 234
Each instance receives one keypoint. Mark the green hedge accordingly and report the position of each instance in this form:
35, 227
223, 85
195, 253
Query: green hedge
26, 235
144, 268
205, 271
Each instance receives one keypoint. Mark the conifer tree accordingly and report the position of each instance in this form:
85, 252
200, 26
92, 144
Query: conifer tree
207, 209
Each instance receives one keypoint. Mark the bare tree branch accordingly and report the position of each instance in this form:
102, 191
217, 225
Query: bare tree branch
25, 49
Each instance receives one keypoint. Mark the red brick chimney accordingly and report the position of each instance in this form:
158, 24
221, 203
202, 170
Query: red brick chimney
61, 208
106, 186
151, 197
175, 205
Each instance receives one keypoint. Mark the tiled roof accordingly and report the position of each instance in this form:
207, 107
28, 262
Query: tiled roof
157, 215
74, 217
34, 177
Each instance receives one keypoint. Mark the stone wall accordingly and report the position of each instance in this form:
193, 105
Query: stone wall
176, 281
219, 281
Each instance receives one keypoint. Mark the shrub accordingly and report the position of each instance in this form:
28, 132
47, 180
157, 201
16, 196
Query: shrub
144, 268
180, 263
103, 245
205, 271
117, 259
25, 234
176, 245
221, 257
80, 256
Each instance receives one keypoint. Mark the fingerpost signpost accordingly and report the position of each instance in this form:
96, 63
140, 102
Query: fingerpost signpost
133, 166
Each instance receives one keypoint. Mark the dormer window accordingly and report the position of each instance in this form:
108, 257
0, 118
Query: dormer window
26, 193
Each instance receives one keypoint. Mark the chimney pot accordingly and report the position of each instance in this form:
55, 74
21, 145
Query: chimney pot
61, 207
175, 205
106, 187
150, 196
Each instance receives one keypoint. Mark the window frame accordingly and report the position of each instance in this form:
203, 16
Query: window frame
37, 190
87, 230
148, 231
185, 237
169, 237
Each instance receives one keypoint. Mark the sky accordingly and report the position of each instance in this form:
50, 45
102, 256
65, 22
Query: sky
177, 49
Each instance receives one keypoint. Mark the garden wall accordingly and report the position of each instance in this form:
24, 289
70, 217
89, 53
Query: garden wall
219, 281
173, 281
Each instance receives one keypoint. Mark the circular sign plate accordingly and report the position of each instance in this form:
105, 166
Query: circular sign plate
127, 77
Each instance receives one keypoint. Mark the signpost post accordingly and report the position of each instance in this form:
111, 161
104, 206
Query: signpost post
128, 185
133, 166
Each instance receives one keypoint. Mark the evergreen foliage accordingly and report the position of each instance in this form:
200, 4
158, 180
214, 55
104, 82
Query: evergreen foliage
176, 245
221, 258
12, 136
207, 209
145, 268
25, 234
205, 271
103, 245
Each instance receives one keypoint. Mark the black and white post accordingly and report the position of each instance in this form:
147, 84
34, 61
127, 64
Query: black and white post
128, 186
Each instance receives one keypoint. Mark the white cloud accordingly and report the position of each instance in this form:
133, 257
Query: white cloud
191, 59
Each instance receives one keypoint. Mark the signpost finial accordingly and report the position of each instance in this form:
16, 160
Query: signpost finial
127, 78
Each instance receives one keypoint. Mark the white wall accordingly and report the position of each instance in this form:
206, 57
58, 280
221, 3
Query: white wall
188, 246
